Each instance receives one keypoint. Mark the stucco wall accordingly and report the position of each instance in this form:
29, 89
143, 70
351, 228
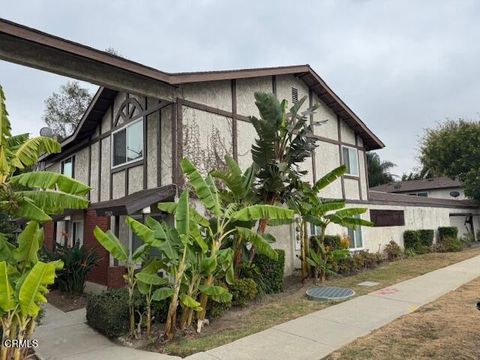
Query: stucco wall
94, 173
351, 189
328, 129
135, 179
166, 146
118, 183
81, 166
347, 134
217, 94
245, 94
327, 158
152, 148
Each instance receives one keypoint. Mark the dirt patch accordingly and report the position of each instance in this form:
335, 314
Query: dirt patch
66, 302
447, 328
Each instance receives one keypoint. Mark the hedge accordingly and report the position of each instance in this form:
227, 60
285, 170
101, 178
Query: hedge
447, 232
419, 241
270, 272
333, 241
108, 312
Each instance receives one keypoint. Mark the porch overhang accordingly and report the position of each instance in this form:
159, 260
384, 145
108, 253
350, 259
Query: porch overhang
135, 202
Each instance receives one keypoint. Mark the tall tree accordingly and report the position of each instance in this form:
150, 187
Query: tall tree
378, 170
64, 109
452, 149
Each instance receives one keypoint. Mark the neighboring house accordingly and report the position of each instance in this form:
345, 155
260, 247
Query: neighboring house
129, 144
439, 187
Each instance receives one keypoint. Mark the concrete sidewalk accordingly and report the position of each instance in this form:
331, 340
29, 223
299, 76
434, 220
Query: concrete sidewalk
65, 336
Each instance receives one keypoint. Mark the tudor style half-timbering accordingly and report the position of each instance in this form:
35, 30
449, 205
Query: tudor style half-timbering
142, 121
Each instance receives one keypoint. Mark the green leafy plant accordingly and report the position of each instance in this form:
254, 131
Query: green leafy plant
267, 272
447, 232
77, 263
31, 197
243, 291
323, 260
393, 251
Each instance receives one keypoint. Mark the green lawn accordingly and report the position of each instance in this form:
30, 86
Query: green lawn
275, 309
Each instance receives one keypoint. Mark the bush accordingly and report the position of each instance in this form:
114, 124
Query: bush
77, 263
108, 312
217, 309
411, 239
392, 250
243, 291
333, 241
426, 237
410, 253
449, 244
357, 262
447, 232
270, 279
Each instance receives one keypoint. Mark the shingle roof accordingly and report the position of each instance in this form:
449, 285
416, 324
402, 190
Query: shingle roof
442, 182
402, 199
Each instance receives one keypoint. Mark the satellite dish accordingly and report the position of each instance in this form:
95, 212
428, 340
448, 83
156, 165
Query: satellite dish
454, 194
47, 132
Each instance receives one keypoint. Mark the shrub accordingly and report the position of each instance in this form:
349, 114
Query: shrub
392, 250
217, 309
270, 279
411, 239
108, 312
333, 241
410, 253
77, 263
447, 232
449, 244
243, 291
358, 261
426, 237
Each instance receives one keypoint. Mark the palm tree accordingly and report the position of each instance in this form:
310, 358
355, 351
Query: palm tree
378, 170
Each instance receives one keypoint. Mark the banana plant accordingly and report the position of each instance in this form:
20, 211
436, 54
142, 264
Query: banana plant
131, 260
32, 197
24, 282
223, 222
319, 212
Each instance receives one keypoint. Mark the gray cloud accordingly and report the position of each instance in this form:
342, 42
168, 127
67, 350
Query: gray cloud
400, 65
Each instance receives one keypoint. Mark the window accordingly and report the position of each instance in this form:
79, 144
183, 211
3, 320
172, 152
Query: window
387, 217
70, 233
422, 194
355, 235
67, 167
350, 160
128, 144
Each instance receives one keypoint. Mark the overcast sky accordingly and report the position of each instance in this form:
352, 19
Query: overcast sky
402, 66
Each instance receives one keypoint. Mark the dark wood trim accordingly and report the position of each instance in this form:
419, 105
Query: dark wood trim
234, 121
99, 170
110, 196
179, 140
112, 124
213, 110
55, 229
89, 170
116, 231
359, 170
127, 180
336, 142
340, 153
274, 85
127, 166
365, 165
314, 162
159, 149
406, 203
145, 147
174, 143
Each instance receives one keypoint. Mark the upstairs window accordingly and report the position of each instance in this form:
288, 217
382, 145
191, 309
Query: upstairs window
128, 144
67, 167
350, 160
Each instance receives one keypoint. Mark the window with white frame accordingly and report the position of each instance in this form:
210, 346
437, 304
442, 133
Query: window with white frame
70, 233
355, 236
350, 160
128, 144
67, 167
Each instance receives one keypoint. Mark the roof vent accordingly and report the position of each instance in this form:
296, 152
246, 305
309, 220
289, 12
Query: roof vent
294, 95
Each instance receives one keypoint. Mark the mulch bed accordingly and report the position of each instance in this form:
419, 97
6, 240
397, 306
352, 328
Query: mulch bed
66, 302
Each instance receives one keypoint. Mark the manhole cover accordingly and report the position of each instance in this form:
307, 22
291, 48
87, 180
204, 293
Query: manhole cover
329, 293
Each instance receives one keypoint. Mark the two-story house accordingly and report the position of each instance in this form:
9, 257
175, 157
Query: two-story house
142, 121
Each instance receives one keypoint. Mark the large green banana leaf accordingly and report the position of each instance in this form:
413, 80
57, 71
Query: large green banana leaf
182, 218
7, 302
257, 212
142, 231
50, 180
329, 178
111, 243
27, 209
202, 189
217, 293
34, 288
54, 202
27, 153
29, 242
261, 245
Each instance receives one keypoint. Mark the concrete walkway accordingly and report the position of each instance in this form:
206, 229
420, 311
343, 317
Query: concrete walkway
65, 336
